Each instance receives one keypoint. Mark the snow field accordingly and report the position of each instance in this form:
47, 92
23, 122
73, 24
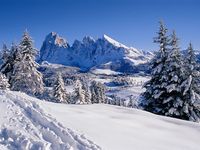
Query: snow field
24, 125
121, 128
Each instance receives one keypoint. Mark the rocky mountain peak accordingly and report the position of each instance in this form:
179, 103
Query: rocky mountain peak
90, 53
55, 39
113, 42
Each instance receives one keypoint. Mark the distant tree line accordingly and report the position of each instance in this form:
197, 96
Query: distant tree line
19, 72
173, 90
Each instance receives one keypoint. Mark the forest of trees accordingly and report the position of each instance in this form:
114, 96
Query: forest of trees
173, 90
19, 72
174, 87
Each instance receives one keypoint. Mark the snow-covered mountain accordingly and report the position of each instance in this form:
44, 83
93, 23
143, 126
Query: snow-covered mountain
54, 49
90, 53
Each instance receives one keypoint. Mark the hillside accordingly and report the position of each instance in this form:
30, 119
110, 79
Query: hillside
24, 125
118, 128
27, 122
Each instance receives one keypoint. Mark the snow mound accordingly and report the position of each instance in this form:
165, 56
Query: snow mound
24, 125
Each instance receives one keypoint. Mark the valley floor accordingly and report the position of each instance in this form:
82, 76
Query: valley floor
28, 122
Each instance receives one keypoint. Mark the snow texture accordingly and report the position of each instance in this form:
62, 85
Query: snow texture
24, 125
28, 123
119, 128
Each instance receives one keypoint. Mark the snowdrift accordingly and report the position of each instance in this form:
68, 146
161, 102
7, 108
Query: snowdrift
28, 123
120, 128
24, 125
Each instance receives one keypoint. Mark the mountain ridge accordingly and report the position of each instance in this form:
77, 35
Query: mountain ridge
91, 52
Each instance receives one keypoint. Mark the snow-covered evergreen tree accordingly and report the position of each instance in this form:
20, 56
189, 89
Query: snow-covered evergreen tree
156, 87
4, 85
87, 92
97, 92
116, 100
59, 92
191, 87
5, 53
25, 76
10, 58
163, 91
172, 102
79, 93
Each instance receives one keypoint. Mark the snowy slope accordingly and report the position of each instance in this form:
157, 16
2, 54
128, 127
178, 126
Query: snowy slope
120, 128
114, 42
90, 53
28, 123
24, 125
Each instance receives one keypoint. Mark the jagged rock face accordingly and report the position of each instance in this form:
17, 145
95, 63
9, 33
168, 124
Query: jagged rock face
53, 48
90, 53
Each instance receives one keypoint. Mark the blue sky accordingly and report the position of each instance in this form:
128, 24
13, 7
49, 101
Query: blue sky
132, 22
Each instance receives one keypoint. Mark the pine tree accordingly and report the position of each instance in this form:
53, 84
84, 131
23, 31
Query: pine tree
87, 93
97, 92
191, 87
156, 87
172, 102
79, 93
59, 92
4, 85
5, 53
25, 76
10, 58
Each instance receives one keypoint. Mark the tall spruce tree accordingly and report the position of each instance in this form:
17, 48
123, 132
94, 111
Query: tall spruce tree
79, 93
59, 92
156, 91
9, 59
25, 76
173, 102
191, 87
87, 93
97, 92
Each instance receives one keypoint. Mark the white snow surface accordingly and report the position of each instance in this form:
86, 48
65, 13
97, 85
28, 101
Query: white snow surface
24, 125
27, 123
105, 72
120, 128
114, 42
